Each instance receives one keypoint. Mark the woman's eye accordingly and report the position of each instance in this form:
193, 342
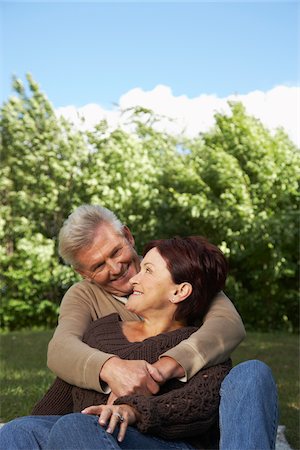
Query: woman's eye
147, 270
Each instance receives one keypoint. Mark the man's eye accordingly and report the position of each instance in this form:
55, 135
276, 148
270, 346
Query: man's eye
148, 270
117, 252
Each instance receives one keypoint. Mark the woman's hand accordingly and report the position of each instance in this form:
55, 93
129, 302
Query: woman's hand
112, 416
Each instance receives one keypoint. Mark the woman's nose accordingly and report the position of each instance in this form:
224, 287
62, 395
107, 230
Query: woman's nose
134, 279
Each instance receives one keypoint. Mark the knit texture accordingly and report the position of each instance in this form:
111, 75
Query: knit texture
179, 411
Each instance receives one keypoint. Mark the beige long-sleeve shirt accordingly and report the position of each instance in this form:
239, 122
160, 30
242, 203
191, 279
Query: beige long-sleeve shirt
79, 364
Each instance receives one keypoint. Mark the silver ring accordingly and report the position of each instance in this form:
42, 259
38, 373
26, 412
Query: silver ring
120, 417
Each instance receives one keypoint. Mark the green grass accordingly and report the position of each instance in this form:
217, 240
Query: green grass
24, 376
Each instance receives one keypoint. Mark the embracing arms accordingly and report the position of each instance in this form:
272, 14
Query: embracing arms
179, 412
69, 357
79, 364
221, 332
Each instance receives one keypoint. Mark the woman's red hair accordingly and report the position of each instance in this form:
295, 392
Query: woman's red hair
196, 261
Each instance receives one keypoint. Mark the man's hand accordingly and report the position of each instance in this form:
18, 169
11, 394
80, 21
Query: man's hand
168, 368
131, 377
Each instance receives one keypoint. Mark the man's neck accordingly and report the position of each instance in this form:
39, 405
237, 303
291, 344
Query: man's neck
121, 299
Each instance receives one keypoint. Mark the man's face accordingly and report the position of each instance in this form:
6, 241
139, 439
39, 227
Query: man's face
110, 261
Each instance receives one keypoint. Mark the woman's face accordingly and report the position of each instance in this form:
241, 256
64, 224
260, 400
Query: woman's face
153, 287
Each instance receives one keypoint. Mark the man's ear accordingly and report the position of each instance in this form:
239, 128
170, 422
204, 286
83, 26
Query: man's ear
82, 273
128, 235
183, 291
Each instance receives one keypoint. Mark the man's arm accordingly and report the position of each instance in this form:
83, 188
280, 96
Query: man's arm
78, 363
220, 334
68, 357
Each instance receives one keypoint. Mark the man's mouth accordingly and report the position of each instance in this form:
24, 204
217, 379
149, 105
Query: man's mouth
122, 276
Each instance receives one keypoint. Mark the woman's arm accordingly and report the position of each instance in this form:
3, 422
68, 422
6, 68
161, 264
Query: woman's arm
188, 411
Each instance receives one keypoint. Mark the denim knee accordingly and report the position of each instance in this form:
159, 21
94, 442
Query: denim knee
80, 431
249, 407
71, 420
23, 423
26, 432
248, 372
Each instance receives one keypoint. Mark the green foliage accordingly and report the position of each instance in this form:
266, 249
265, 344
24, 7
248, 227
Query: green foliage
41, 169
237, 185
253, 179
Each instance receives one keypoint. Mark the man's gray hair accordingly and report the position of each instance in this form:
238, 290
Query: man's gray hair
79, 230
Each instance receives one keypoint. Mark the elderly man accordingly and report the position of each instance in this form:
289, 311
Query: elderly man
101, 249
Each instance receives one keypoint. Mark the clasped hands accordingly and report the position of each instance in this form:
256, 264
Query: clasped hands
128, 378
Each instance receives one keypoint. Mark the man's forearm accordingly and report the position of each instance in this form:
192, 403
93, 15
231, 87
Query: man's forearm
81, 364
213, 343
130, 377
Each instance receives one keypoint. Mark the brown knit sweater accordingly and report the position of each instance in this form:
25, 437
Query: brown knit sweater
179, 411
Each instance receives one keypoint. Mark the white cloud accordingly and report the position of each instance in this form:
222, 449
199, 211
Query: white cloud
278, 107
88, 116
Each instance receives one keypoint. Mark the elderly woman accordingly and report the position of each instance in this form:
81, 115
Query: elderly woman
178, 279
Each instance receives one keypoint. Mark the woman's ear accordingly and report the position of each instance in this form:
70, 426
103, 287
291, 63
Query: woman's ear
183, 291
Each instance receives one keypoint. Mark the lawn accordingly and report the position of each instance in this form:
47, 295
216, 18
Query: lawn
24, 376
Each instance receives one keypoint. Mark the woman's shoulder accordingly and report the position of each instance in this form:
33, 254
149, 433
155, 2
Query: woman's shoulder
165, 341
179, 333
103, 325
110, 318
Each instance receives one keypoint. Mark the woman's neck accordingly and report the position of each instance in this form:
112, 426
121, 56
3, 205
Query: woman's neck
137, 331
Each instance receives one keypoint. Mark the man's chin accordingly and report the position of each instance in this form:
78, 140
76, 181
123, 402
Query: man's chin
121, 286
123, 290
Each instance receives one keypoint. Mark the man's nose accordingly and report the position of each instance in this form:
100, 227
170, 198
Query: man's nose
114, 266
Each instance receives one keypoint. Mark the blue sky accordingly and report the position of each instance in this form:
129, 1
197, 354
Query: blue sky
81, 52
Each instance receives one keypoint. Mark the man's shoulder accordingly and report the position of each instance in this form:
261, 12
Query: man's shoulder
85, 288
221, 299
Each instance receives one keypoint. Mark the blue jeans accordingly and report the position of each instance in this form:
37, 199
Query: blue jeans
76, 432
248, 421
248, 408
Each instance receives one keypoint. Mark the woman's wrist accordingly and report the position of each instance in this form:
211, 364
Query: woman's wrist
169, 368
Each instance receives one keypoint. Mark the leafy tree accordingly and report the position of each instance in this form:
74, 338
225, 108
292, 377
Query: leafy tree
41, 159
264, 237
237, 185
